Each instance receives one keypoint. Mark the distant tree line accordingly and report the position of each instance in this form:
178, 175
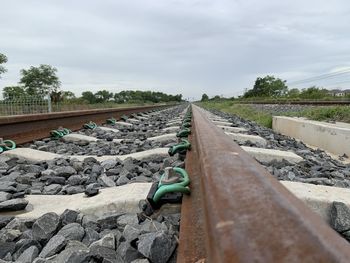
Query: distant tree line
270, 87
127, 96
43, 81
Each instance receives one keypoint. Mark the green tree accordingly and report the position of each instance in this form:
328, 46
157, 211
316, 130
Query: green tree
57, 96
89, 97
313, 93
293, 93
3, 60
103, 95
268, 86
12, 92
68, 95
205, 97
40, 80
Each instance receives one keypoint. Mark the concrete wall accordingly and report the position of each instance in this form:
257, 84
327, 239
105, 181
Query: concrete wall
334, 138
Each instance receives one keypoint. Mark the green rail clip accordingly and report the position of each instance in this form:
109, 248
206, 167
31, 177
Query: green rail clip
111, 121
6, 145
59, 133
175, 180
183, 133
181, 147
90, 125
124, 117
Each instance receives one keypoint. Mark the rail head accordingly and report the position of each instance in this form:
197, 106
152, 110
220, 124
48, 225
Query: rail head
248, 216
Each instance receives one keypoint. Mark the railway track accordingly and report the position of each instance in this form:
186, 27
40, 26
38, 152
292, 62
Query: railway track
26, 128
236, 211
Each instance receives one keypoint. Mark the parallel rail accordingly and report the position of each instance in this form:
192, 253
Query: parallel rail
26, 128
238, 212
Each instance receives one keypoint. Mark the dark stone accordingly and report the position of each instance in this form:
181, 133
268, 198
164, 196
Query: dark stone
18, 195
28, 234
45, 226
26, 178
157, 246
129, 165
104, 180
65, 171
101, 253
7, 186
89, 161
75, 180
106, 241
9, 235
91, 222
52, 189
28, 255
92, 190
117, 235
6, 247
31, 168
75, 252
4, 196
56, 180
72, 231
109, 221
127, 252
127, 219
48, 173
130, 233
24, 244
54, 246
4, 220
13, 205
74, 189
123, 179
340, 217
90, 236
68, 216
78, 166
109, 164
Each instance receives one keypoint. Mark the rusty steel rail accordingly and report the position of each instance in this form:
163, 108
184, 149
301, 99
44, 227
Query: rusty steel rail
26, 128
238, 212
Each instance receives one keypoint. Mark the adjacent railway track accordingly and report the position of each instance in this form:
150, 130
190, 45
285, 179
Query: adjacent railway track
302, 102
26, 128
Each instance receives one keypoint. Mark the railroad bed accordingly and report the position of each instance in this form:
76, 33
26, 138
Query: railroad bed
85, 193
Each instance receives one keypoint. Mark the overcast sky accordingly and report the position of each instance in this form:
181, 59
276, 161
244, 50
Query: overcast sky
180, 46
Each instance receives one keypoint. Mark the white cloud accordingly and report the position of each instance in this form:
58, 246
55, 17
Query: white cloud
179, 46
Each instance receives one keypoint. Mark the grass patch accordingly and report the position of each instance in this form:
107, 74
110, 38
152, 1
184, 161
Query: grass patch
243, 111
329, 113
334, 113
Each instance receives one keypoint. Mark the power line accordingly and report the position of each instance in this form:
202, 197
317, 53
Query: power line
321, 77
